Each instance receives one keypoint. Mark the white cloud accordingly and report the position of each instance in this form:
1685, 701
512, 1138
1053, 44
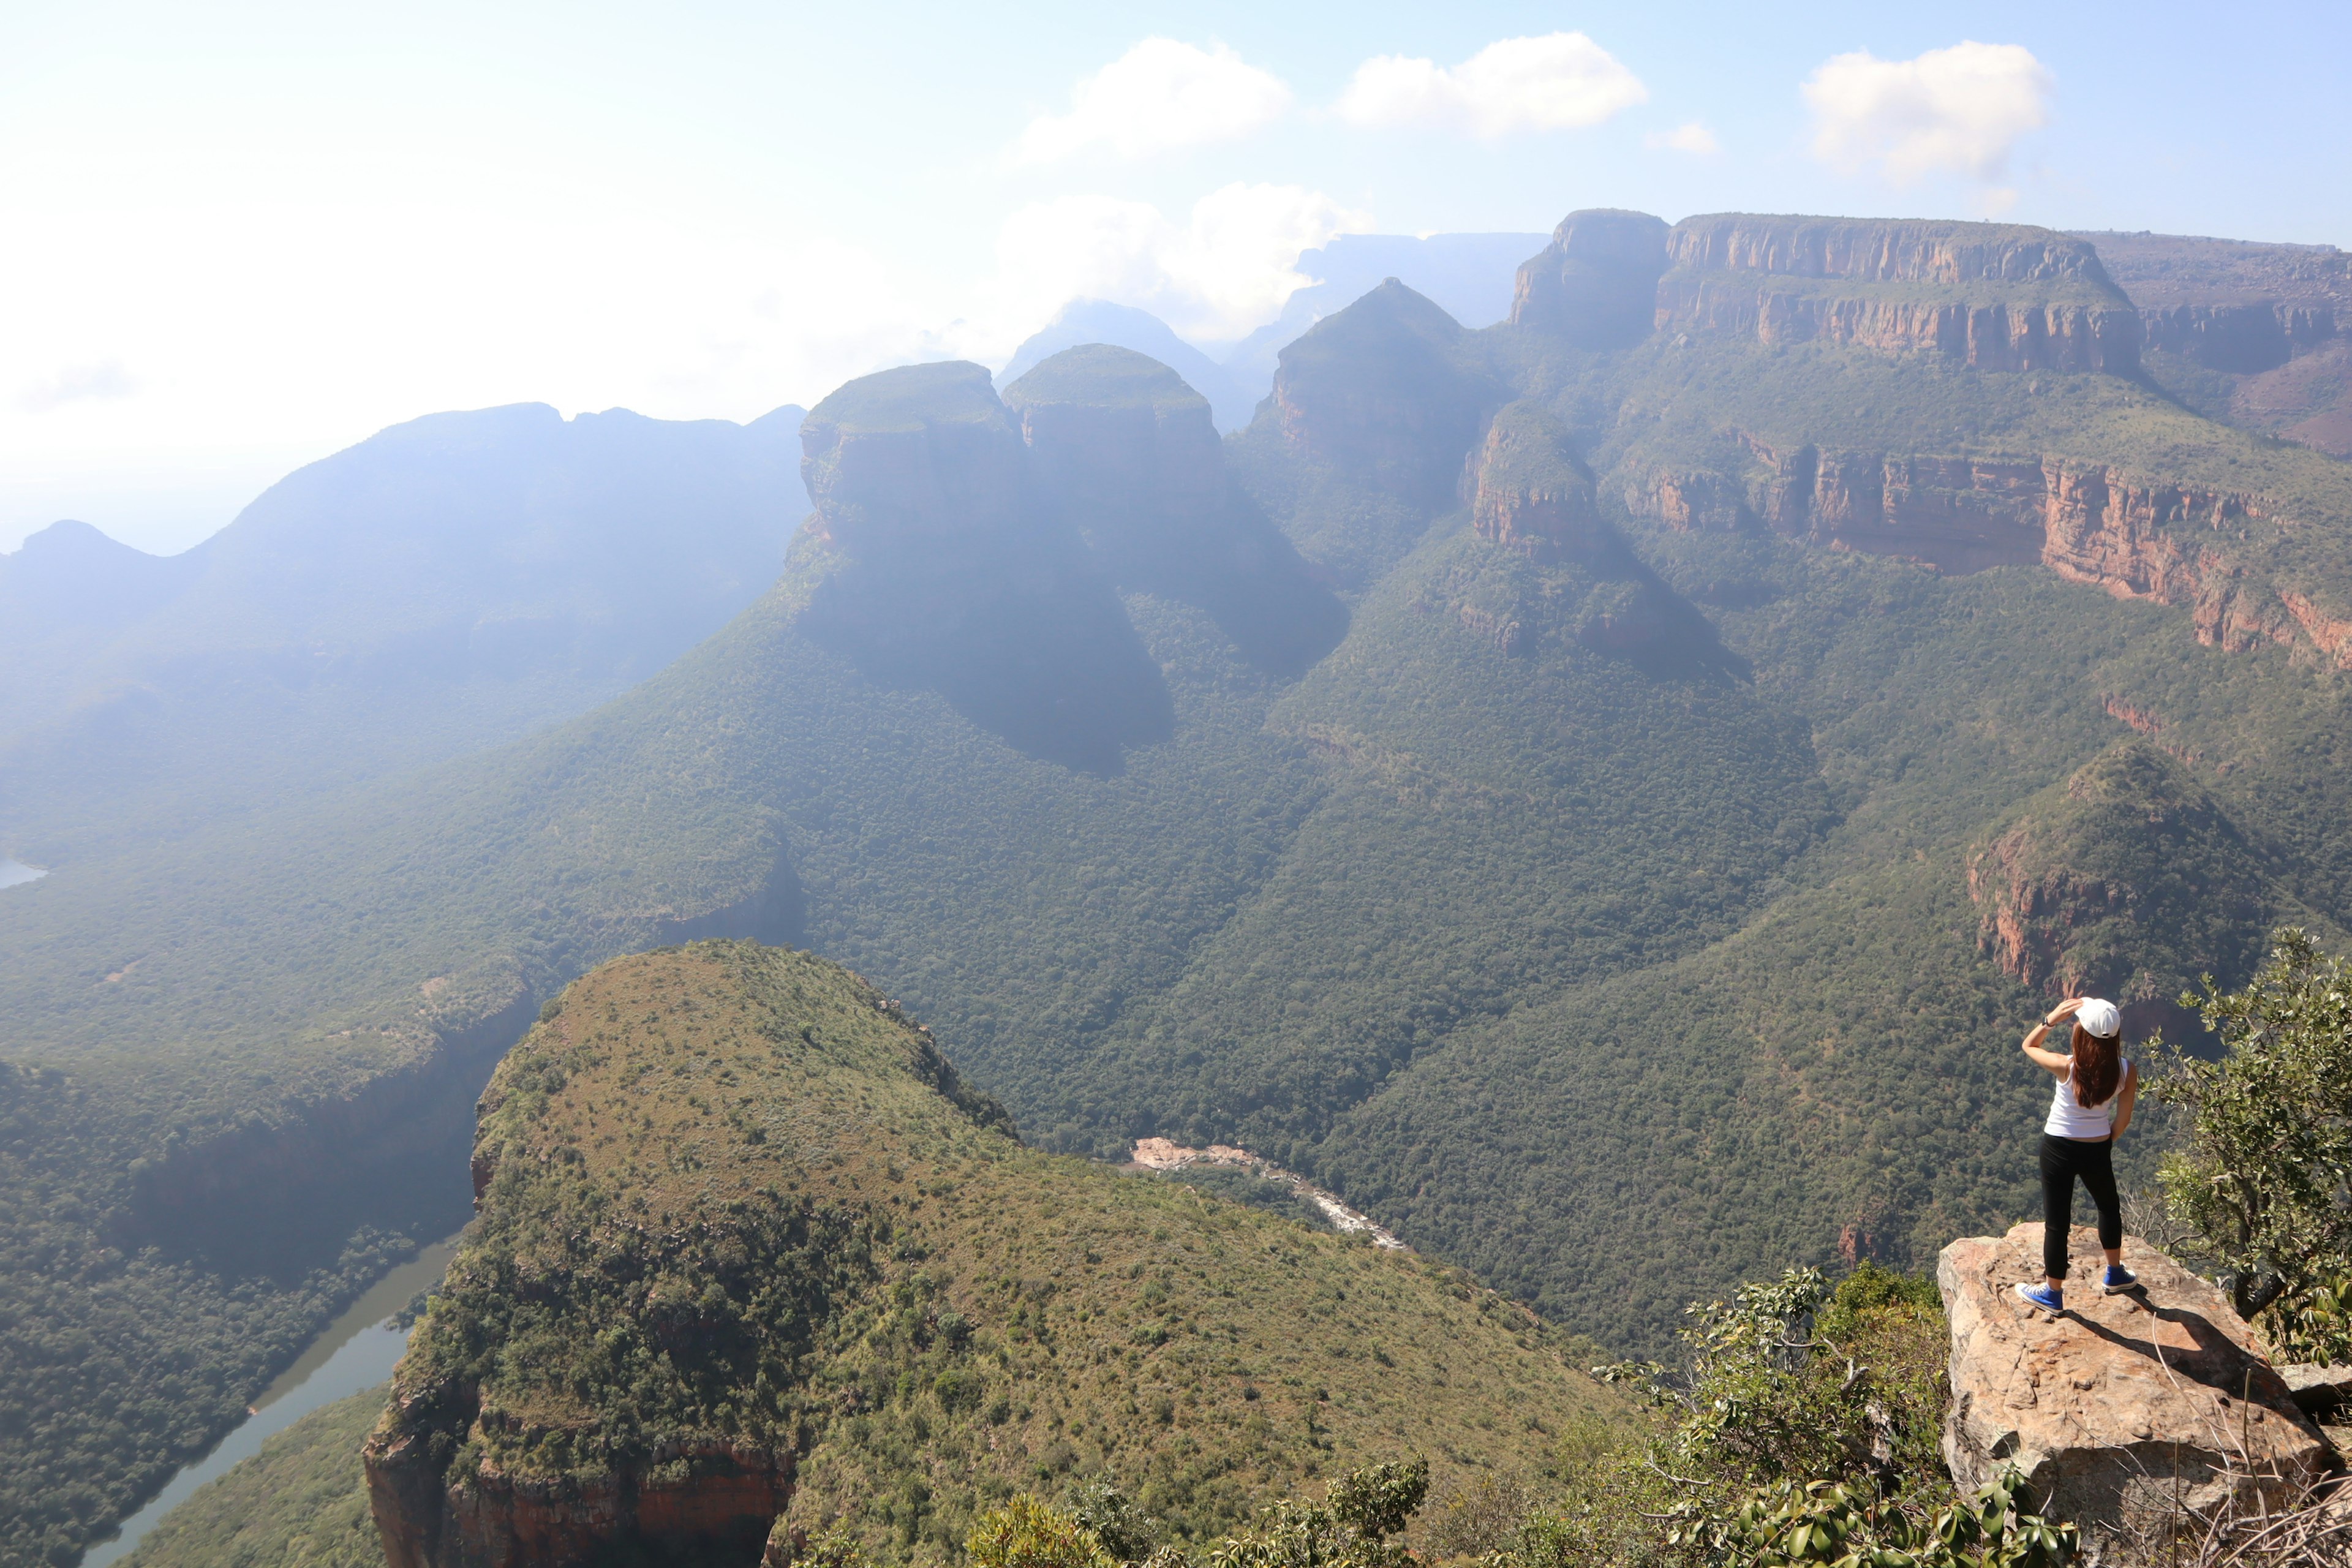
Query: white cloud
1959, 110
1227, 268
1159, 96
1690, 137
1562, 82
100, 382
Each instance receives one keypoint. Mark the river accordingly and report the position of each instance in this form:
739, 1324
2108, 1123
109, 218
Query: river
14, 871
357, 1351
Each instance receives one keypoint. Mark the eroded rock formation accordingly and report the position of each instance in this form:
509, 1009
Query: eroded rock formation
1596, 284
2121, 1404
1997, 296
1384, 390
946, 569
1531, 494
1127, 453
2093, 522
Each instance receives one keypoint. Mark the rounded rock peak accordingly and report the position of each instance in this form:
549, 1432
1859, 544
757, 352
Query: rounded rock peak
1103, 375
910, 396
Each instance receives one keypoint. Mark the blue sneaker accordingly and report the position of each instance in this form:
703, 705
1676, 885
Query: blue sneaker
2042, 1296
2118, 1280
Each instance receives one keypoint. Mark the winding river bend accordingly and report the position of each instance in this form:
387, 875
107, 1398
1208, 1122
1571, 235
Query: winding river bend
357, 1351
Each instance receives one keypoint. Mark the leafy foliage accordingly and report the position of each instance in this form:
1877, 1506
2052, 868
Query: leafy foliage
1618, 978
1839, 1526
1024, 1532
1766, 1393
734, 1201
2265, 1172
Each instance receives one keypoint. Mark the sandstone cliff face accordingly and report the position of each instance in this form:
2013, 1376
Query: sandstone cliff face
1126, 455
1530, 493
698, 1503
949, 571
2124, 1403
2092, 523
1595, 286
2241, 337
1998, 296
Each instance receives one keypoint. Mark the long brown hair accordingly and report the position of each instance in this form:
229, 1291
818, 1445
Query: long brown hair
2098, 1065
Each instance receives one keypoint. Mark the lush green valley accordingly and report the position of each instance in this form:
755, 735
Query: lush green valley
1606, 811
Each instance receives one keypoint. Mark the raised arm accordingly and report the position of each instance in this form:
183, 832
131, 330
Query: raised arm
2058, 1064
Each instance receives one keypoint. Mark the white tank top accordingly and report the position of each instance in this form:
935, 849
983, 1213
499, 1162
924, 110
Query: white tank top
2068, 1119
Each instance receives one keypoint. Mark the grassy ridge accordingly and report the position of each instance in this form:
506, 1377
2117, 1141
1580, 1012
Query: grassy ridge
748, 1142
1409, 906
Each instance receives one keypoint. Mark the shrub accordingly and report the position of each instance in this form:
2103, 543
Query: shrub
2265, 1179
1026, 1532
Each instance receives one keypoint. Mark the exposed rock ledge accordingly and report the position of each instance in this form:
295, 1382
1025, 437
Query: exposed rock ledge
2092, 522
2123, 1403
1995, 296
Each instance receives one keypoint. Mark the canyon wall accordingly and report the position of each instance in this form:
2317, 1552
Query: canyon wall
947, 568
1125, 453
2240, 337
1994, 296
2092, 523
1596, 284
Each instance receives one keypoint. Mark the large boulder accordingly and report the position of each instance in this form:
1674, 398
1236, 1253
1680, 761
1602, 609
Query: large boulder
2123, 1409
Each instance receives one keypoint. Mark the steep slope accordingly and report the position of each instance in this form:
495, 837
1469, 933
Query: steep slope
1362, 441
1622, 845
447, 585
751, 1258
1127, 451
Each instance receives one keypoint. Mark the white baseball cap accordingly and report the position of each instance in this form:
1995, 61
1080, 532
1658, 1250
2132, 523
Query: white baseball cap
2099, 1017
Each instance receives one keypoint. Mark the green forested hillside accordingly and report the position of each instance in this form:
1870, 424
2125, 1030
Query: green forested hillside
742, 1225
1617, 927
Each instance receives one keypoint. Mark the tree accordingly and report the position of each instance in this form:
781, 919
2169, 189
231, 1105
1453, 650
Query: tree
1350, 1529
2265, 1179
1027, 1532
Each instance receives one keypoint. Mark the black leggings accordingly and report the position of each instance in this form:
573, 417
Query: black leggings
2062, 1160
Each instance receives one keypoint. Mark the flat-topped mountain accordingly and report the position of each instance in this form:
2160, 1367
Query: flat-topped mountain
752, 1260
1729, 742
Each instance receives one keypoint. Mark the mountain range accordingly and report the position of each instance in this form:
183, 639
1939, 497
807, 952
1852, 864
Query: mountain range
1601, 791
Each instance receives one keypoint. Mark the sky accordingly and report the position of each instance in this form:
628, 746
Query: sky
240, 237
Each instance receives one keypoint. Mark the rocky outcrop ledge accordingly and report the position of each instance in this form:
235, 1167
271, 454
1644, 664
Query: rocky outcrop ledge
2124, 1411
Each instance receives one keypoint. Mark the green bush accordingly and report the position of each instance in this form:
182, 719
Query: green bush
2264, 1176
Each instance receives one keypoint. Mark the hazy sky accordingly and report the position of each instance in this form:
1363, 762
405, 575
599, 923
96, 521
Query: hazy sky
239, 237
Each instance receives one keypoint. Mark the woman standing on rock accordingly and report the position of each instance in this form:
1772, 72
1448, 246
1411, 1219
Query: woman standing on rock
2093, 1106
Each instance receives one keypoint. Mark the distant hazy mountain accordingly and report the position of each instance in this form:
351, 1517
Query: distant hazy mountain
1774, 663
447, 583
1468, 276
1123, 326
